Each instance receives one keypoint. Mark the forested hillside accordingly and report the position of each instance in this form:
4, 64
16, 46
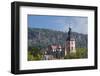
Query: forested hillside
44, 37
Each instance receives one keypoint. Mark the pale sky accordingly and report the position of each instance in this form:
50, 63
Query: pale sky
60, 23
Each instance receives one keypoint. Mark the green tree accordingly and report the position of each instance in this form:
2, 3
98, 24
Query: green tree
34, 54
80, 53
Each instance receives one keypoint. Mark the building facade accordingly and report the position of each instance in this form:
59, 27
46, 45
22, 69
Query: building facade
56, 51
70, 43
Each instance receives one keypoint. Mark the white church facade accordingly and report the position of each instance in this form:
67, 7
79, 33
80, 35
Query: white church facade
70, 43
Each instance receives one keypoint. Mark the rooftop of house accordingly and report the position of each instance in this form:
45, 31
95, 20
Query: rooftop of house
55, 46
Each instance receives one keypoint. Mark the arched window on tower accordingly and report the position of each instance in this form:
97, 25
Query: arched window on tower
72, 43
71, 48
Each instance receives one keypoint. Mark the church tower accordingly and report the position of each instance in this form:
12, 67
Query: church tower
70, 43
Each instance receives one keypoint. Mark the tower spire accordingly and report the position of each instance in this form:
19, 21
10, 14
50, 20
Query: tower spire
69, 34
